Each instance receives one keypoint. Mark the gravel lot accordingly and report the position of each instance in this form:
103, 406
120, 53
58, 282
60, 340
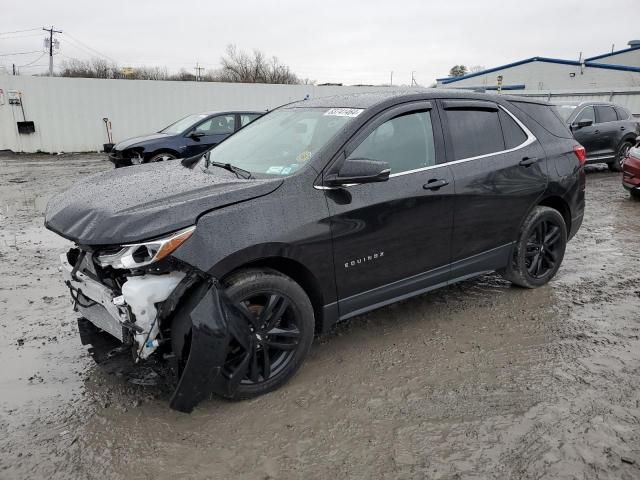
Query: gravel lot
479, 380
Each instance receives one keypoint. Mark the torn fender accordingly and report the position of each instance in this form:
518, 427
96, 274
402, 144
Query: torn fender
202, 329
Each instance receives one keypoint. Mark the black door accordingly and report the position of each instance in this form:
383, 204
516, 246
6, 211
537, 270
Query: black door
587, 136
609, 128
499, 171
209, 133
392, 238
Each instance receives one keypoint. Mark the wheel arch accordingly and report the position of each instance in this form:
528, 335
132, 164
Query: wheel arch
561, 205
298, 272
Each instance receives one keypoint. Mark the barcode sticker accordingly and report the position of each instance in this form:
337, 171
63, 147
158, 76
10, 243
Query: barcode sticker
344, 112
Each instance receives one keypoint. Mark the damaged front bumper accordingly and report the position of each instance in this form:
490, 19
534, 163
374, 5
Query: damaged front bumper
185, 315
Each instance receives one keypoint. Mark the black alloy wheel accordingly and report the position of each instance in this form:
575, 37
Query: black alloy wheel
273, 339
543, 250
276, 332
539, 249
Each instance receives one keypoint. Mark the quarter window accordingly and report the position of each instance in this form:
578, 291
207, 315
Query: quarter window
623, 114
246, 118
606, 114
404, 142
513, 134
474, 132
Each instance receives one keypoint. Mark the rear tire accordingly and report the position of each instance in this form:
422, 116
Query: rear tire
621, 153
253, 290
539, 249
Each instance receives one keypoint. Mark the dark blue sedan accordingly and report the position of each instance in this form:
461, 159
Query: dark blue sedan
188, 136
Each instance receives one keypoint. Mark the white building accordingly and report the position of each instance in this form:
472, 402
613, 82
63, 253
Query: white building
617, 69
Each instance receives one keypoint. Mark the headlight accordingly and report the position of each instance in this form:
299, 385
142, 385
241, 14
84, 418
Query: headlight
140, 254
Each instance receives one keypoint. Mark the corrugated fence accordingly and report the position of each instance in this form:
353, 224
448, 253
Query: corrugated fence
68, 112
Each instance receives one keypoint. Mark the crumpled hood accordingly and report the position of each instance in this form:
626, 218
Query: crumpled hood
127, 205
130, 142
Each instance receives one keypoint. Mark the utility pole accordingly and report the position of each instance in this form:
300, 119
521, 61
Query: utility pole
391, 80
413, 79
14, 69
51, 32
198, 70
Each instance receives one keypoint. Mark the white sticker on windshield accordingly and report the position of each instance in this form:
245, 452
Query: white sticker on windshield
344, 112
274, 169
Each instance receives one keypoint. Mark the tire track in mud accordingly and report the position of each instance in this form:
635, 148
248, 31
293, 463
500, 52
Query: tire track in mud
479, 380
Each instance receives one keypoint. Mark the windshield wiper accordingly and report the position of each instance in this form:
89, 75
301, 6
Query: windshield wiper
192, 161
240, 172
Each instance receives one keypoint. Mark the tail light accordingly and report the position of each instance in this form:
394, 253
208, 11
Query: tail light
581, 154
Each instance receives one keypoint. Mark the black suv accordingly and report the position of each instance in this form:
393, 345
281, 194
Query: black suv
607, 131
227, 263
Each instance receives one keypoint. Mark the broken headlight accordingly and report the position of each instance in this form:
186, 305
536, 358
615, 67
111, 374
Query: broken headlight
140, 254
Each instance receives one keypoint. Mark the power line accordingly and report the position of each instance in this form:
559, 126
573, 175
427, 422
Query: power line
67, 34
19, 31
19, 53
31, 63
22, 36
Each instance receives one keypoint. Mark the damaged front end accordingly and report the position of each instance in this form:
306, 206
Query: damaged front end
158, 307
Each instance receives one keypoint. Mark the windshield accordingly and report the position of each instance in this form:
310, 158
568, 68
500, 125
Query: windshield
283, 141
565, 111
183, 124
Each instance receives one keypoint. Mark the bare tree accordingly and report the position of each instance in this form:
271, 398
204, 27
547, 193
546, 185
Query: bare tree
240, 66
94, 68
476, 68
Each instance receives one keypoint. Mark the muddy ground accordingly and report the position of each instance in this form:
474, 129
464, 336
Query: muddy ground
480, 380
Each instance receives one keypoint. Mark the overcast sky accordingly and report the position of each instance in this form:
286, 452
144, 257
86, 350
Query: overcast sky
327, 41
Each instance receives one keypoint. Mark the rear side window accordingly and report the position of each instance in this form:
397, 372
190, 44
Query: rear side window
513, 134
623, 113
546, 116
474, 132
606, 114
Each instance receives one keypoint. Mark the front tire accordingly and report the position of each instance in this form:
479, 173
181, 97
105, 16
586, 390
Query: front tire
539, 250
621, 154
161, 157
280, 316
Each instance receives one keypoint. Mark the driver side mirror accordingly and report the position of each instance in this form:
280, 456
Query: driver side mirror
196, 134
582, 124
359, 170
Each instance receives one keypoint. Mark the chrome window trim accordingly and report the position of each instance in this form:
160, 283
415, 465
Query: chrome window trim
530, 139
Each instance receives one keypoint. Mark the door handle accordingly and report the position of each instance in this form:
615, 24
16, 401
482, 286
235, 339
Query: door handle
527, 161
596, 131
622, 128
435, 184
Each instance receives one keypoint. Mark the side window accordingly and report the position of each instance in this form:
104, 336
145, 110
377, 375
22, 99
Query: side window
623, 114
222, 124
587, 113
247, 118
513, 134
606, 114
474, 132
405, 142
